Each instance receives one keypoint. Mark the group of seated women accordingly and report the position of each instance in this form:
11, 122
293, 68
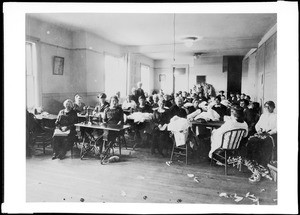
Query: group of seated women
238, 111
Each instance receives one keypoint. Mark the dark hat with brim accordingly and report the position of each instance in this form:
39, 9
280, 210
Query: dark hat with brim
102, 96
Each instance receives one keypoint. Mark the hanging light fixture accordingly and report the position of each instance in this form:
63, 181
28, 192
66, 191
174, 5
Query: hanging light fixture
189, 41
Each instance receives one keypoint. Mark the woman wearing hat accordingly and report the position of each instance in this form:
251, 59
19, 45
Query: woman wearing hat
103, 104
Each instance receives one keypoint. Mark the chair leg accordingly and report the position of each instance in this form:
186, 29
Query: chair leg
186, 153
172, 152
44, 148
124, 141
120, 143
225, 162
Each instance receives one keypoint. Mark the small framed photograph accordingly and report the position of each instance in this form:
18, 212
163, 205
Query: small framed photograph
162, 77
58, 65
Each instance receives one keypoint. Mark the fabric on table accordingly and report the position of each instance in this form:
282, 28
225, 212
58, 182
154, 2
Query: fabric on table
140, 117
208, 115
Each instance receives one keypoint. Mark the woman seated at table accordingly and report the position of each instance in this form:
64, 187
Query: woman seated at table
113, 115
160, 135
155, 101
178, 109
64, 134
103, 104
129, 105
142, 107
195, 106
79, 106
219, 108
235, 121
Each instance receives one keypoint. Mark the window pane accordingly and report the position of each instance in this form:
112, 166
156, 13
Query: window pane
115, 75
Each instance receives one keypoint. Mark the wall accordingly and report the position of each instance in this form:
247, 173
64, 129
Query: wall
52, 40
83, 54
211, 67
261, 75
135, 71
250, 76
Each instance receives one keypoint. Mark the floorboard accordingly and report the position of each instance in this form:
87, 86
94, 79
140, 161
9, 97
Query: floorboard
139, 177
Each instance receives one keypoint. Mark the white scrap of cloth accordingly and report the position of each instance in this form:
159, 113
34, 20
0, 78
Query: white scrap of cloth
140, 117
179, 124
180, 137
179, 127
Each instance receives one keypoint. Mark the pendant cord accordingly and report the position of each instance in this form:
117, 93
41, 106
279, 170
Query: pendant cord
174, 38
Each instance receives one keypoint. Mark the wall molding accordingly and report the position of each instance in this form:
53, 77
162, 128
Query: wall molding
269, 34
250, 53
38, 40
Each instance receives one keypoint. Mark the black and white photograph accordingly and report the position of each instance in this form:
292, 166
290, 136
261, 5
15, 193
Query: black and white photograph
172, 108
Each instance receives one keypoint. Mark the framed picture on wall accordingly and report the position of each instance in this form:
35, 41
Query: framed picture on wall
58, 65
162, 77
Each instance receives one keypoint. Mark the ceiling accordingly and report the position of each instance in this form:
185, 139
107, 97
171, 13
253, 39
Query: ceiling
153, 34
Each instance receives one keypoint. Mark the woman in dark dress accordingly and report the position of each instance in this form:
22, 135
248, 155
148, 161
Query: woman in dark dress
79, 106
64, 134
113, 115
160, 135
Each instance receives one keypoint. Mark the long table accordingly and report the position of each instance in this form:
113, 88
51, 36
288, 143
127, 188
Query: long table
117, 128
212, 124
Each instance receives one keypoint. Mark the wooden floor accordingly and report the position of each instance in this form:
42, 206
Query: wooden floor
139, 177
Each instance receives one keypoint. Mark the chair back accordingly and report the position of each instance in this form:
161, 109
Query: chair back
231, 139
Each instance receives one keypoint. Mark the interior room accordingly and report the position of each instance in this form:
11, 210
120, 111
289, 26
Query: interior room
105, 56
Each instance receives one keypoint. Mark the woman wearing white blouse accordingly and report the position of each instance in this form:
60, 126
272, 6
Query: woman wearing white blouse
259, 147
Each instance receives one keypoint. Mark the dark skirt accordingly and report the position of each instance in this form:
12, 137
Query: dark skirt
261, 150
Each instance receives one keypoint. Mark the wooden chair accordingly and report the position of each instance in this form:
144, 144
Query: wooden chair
230, 142
182, 150
42, 137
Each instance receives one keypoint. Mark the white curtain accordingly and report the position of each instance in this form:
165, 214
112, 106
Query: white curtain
115, 75
31, 79
145, 77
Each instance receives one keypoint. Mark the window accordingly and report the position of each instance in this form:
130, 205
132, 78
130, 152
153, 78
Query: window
115, 75
145, 77
31, 79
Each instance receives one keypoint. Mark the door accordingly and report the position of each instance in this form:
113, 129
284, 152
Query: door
200, 79
234, 74
180, 78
